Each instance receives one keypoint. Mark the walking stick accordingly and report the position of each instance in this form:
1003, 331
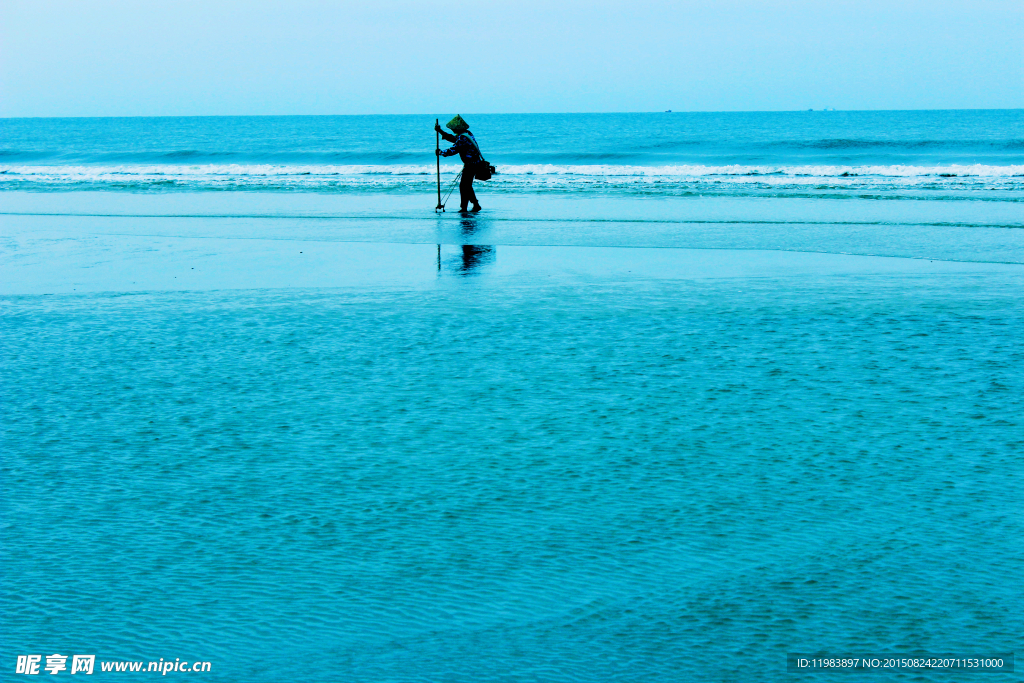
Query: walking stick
437, 137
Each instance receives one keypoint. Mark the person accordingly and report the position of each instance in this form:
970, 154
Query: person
464, 144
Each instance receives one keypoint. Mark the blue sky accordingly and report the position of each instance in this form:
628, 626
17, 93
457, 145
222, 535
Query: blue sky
185, 57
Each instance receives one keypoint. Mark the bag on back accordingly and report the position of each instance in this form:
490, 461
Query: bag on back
484, 170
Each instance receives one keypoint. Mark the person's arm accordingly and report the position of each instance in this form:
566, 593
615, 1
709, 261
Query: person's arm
460, 145
444, 136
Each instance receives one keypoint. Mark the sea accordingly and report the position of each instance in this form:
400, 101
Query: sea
694, 396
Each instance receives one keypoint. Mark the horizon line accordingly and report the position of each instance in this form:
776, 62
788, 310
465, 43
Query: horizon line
828, 110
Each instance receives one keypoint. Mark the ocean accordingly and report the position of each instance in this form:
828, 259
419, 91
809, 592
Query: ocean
922, 155
693, 392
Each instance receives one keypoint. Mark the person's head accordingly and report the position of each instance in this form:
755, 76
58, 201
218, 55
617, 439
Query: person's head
458, 125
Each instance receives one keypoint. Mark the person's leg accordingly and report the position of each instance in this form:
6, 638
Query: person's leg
472, 196
466, 188
466, 192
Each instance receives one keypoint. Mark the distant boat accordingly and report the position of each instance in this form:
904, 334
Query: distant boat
668, 111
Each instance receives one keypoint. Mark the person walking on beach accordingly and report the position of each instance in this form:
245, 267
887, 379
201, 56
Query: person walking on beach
465, 146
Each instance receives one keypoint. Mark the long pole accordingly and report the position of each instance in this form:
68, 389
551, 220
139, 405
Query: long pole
437, 137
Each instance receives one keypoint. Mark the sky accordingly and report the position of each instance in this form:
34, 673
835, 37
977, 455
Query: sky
228, 57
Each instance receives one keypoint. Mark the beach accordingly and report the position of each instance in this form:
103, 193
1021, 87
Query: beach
609, 433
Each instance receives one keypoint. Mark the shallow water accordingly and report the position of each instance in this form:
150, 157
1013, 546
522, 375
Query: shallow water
584, 481
595, 435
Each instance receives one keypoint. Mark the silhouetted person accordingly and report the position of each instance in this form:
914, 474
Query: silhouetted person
465, 146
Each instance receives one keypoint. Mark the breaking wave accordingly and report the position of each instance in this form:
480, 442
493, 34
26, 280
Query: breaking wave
512, 178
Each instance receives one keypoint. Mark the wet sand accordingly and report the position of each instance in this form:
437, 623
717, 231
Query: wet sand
79, 243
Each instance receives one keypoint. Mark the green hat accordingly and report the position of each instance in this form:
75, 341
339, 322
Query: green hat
458, 125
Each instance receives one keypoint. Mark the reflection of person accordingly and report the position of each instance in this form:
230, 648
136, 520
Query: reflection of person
474, 256
465, 146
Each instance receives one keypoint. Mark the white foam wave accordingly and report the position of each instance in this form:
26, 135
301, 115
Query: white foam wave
699, 171
597, 170
525, 176
89, 172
